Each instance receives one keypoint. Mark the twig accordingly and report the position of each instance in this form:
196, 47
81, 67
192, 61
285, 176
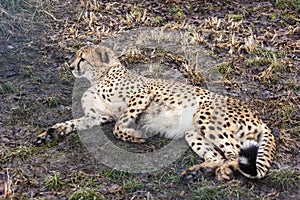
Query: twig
52, 16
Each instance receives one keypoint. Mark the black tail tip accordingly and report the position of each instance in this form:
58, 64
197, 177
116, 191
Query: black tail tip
247, 158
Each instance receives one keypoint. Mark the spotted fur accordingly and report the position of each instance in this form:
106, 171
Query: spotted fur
221, 130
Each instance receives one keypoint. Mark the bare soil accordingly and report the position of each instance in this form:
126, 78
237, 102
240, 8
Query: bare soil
38, 38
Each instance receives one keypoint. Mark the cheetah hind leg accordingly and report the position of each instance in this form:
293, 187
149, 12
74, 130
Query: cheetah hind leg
205, 169
201, 146
226, 170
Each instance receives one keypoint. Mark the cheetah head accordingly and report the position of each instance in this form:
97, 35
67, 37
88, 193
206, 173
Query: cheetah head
92, 61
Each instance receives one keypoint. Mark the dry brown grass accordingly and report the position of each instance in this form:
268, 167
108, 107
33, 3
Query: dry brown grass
20, 16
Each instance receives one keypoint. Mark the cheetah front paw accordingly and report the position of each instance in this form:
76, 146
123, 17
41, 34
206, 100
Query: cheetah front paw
54, 133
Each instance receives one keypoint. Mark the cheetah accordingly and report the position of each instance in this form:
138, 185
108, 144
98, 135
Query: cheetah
221, 130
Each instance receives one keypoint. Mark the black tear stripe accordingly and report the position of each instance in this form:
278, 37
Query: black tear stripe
78, 64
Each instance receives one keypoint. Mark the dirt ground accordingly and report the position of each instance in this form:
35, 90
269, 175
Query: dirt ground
256, 45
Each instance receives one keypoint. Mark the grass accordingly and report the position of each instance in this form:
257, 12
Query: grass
189, 159
65, 75
225, 68
34, 77
116, 175
295, 130
20, 15
256, 61
262, 57
271, 62
53, 101
86, 194
165, 177
222, 191
287, 4
287, 111
22, 152
284, 180
135, 16
237, 17
129, 181
8, 88
178, 14
20, 114
132, 185
53, 182
82, 180
85, 185
208, 193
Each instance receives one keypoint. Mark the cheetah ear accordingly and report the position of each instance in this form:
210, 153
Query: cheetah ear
105, 55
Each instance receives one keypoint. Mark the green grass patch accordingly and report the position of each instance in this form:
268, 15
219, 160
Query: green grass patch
53, 101
132, 185
287, 111
293, 85
295, 130
189, 159
288, 4
257, 61
220, 192
8, 88
237, 17
225, 68
268, 53
165, 177
35, 79
116, 175
54, 181
79, 179
21, 152
86, 194
129, 181
285, 180
178, 14
266, 58
208, 193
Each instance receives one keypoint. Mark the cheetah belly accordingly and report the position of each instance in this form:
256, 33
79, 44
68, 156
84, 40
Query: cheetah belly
170, 122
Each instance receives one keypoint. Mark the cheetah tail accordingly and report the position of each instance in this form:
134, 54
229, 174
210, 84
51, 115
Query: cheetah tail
255, 158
